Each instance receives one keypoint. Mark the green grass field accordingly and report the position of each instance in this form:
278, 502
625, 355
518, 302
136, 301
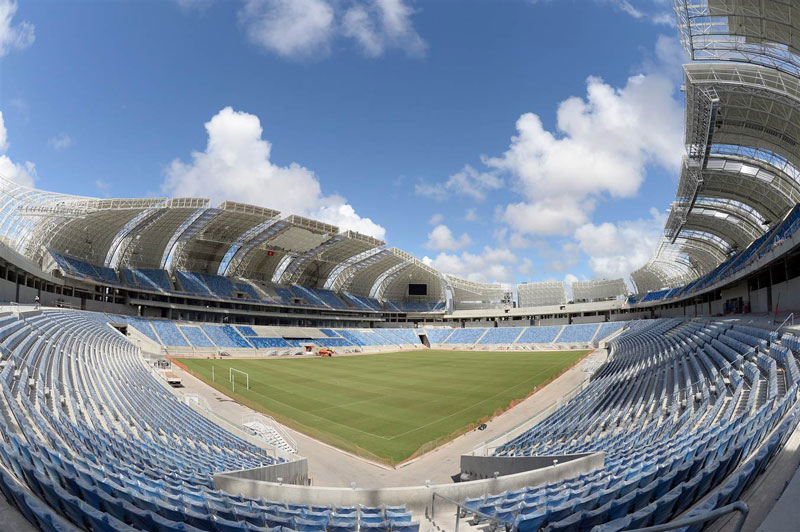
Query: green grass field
388, 406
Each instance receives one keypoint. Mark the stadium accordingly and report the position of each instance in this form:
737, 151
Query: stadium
173, 364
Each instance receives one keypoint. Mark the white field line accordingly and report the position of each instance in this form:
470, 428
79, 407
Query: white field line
346, 404
389, 438
324, 419
467, 408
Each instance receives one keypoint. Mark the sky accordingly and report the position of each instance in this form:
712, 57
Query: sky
497, 140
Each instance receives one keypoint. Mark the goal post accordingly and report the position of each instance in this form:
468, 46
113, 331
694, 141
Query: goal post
232, 377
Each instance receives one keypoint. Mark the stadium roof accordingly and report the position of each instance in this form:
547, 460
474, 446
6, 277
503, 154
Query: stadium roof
541, 294
233, 239
471, 294
599, 289
739, 175
764, 32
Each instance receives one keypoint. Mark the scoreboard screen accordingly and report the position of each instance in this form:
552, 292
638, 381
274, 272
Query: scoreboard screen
417, 289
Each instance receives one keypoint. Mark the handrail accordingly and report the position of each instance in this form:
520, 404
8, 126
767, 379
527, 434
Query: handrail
461, 507
270, 421
737, 506
789, 317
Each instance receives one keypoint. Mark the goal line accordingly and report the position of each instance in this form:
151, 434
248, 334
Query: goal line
232, 377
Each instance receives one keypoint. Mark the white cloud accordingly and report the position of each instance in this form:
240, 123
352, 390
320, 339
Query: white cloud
508, 239
492, 265
13, 36
236, 166
551, 216
526, 267
22, 108
25, 173
471, 215
664, 18
517, 241
602, 148
62, 141
468, 182
441, 238
289, 28
193, 5
436, 219
103, 187
626, 7
653, 11
377, 25
3, 134
566, 258
304, 28
335, 211
616, 249
670, 56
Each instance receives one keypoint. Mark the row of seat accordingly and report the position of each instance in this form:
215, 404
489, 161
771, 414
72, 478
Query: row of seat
92, 441
686, 412
683, 410
214, 286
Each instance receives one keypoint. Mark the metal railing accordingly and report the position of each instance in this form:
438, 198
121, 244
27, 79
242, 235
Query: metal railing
269, 421
790, 317
737, 506
197, 400
460, 508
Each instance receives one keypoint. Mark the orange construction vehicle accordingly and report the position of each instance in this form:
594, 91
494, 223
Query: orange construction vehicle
325, 352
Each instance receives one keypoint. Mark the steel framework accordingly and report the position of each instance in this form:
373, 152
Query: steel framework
468, 294
541, 293
763, 32
599, 289
393, 283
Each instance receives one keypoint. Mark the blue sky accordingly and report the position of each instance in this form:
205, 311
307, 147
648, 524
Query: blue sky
500, 140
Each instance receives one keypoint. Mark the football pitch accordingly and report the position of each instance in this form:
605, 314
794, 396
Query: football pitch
389, 406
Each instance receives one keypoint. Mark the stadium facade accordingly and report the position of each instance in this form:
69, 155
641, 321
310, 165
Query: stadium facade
678, 422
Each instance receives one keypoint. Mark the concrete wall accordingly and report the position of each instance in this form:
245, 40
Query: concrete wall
513, 323
144, 342
738, 290
102, 306
151, 312
672, 312
789, 294
395, 324
478, 467
553, 321
630, 316
53, 300
588, 319
758, 300
27, 295
8, 290
416, 498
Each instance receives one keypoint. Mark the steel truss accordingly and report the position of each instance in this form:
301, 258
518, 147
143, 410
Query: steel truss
762, 32
392, 284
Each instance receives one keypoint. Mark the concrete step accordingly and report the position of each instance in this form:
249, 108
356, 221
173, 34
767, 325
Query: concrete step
445, 521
